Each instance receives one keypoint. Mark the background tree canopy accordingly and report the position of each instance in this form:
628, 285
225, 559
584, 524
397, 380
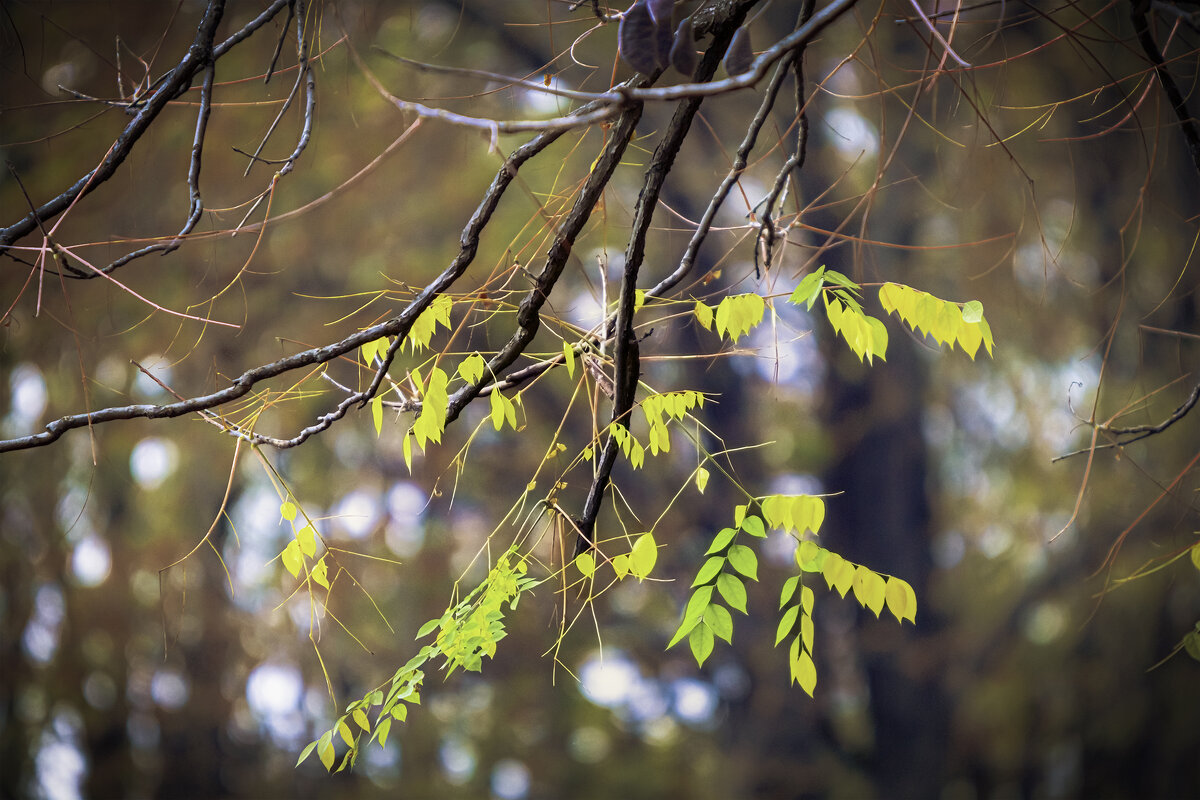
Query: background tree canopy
387, 385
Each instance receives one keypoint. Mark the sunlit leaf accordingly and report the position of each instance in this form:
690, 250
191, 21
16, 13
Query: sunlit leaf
569, 359
742, 559
721, 540
292, 559
718, 618
377, 413
700, 640
786, 624
789, 588
701, 479
733, 590
754, 526
805, 673
586, 564
306, 537
709, 571
643, 555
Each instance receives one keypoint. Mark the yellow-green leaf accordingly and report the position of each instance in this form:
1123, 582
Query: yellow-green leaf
325, 752
569, 359
361, 718
288, 510
804, 672
643, 556
320, 573
377, 413
586, 564
344, 731
701, 479
621, 565
720, 620
901, 600
701, 642
704, 315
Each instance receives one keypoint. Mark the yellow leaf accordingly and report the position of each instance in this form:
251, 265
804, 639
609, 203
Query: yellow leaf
1196, 555
569, 359
586, 564
292, 560
288, 511
701, 479
361, 719
307, 538
804, 672
377, 413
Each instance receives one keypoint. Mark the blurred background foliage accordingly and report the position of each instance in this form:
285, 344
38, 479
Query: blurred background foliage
1027, 672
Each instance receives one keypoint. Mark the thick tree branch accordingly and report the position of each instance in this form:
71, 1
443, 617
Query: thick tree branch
626, 353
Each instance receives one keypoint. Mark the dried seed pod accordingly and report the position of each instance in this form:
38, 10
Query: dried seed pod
740, 56
636, 38
683, 48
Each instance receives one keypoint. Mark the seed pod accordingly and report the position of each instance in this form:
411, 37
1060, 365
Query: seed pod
636, 38
740, 57
683, 49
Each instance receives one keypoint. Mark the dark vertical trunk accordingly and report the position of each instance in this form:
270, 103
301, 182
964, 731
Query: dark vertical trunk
883, 520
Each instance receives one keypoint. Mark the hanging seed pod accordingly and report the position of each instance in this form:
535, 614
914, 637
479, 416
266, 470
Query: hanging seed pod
740, 57
636, 38
683, 48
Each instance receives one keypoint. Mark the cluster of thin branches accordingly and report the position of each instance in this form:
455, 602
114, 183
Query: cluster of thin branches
618, 109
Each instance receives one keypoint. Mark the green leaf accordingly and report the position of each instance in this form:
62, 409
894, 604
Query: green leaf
360, 718
643, 556
789, 588
809, 289
586, 564
1191, 643
385, 725
430, 627
701, 641
709, 571
786, 624
621, 565
972, 311
742, 559
701, 479
1196, 555
698, 602
305, 753
721, 540
733, 590
754, 526
720, 620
